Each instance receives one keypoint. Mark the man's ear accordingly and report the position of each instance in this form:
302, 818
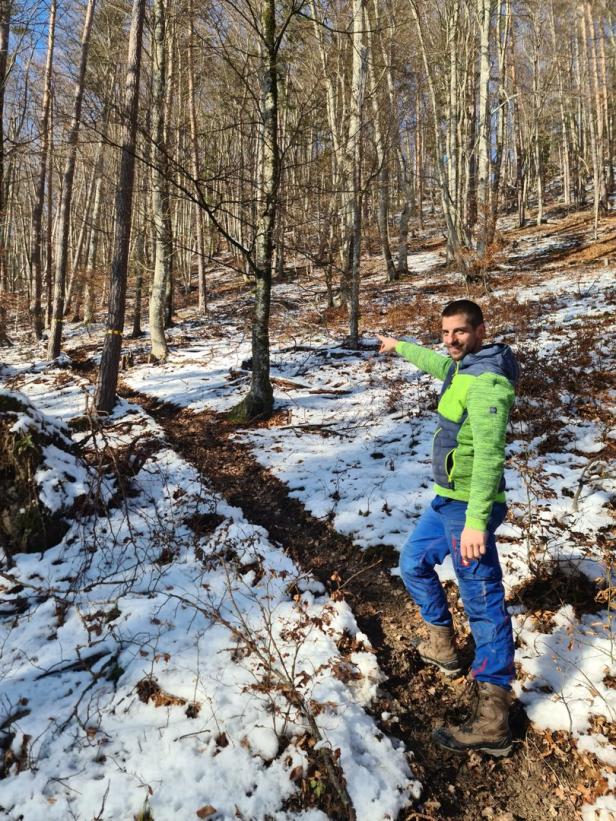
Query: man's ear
481, 331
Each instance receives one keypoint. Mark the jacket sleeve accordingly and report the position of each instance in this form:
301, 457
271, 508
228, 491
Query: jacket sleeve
425, 359
489, 401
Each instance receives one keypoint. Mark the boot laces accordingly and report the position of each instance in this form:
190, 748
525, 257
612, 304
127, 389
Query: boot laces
475, 705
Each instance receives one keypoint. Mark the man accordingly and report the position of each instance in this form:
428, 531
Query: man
468, 456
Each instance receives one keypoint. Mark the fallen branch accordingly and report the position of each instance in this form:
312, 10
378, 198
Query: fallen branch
79, 665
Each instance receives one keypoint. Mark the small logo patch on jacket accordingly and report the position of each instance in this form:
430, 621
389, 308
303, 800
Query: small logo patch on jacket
493, 410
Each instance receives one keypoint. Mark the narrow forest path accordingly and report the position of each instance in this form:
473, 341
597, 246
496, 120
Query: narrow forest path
537, 782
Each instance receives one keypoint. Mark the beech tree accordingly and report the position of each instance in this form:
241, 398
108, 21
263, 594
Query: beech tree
275, 138
110, 361
161, 216
36, 272
55, 336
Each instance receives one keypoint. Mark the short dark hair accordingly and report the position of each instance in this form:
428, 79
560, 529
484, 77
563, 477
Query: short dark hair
471, 311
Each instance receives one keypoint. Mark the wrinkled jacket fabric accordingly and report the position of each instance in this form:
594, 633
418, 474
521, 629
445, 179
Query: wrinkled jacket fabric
468, 453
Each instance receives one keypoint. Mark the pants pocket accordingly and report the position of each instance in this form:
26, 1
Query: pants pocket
486, 568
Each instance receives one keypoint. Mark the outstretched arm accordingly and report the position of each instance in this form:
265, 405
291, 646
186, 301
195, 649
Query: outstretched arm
388, 343
423, 358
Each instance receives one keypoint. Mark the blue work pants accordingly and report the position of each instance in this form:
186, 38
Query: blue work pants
436, 535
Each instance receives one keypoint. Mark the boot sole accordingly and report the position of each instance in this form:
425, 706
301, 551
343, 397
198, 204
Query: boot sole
450, 669
498, 749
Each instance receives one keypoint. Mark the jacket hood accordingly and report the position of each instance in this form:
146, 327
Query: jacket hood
496, 358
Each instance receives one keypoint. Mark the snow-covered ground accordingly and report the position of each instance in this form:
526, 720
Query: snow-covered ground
355, 449
145, 664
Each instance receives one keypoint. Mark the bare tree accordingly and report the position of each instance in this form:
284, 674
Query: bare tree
259, 401
160, 187
36, 274
108, 374
6, 8
55, 336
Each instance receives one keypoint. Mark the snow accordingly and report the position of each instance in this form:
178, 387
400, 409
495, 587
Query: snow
62, 477
62, 480
211, 634
201, 376
355, 450
571, 663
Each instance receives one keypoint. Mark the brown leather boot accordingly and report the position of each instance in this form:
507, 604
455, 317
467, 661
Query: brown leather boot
439, 649
487, 731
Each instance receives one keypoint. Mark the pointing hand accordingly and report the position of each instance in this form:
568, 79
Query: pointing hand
388, 343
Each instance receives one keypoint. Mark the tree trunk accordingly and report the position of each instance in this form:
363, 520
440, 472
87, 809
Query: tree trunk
565, 150
382, 158
194, 139
6, 8
260, 400
55, 336
110, 361
49, 230
483, 127
584, 15
36, 270
160, 191
455, 239
91, 259
358, 84
504, 25
537, 147
608, 141
141, 265
89, 199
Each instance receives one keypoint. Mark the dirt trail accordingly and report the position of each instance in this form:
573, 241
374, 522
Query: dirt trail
537, 782
545, 776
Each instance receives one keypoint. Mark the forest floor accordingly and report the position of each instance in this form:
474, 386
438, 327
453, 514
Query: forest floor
292, 528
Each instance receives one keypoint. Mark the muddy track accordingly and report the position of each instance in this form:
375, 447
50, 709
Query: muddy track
416, 698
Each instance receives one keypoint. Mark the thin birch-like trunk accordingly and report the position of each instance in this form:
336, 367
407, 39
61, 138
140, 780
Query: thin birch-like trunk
196, 171
590, 97
483, 126
456, 241
141, 266
160, 191
92, 255
358, 84
260, 399
110, 361
89, 199
605, 107
382, 161
36, 270
453, 148
49, 230
55, 336
565, 149
6, 8
504, 26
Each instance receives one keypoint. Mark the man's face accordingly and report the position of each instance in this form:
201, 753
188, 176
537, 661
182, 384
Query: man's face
460, 337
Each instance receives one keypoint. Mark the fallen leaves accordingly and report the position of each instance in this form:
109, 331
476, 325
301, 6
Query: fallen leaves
148, 689
206, 812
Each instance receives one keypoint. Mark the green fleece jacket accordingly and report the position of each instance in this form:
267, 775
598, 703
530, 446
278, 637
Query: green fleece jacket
468, 451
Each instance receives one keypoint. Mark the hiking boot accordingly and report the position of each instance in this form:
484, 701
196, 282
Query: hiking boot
439, 649
487, 731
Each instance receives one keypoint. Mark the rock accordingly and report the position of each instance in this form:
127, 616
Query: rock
42, 477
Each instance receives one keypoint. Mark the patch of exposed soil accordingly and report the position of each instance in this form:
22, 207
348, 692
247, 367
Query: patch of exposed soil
537, 782
558, 586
